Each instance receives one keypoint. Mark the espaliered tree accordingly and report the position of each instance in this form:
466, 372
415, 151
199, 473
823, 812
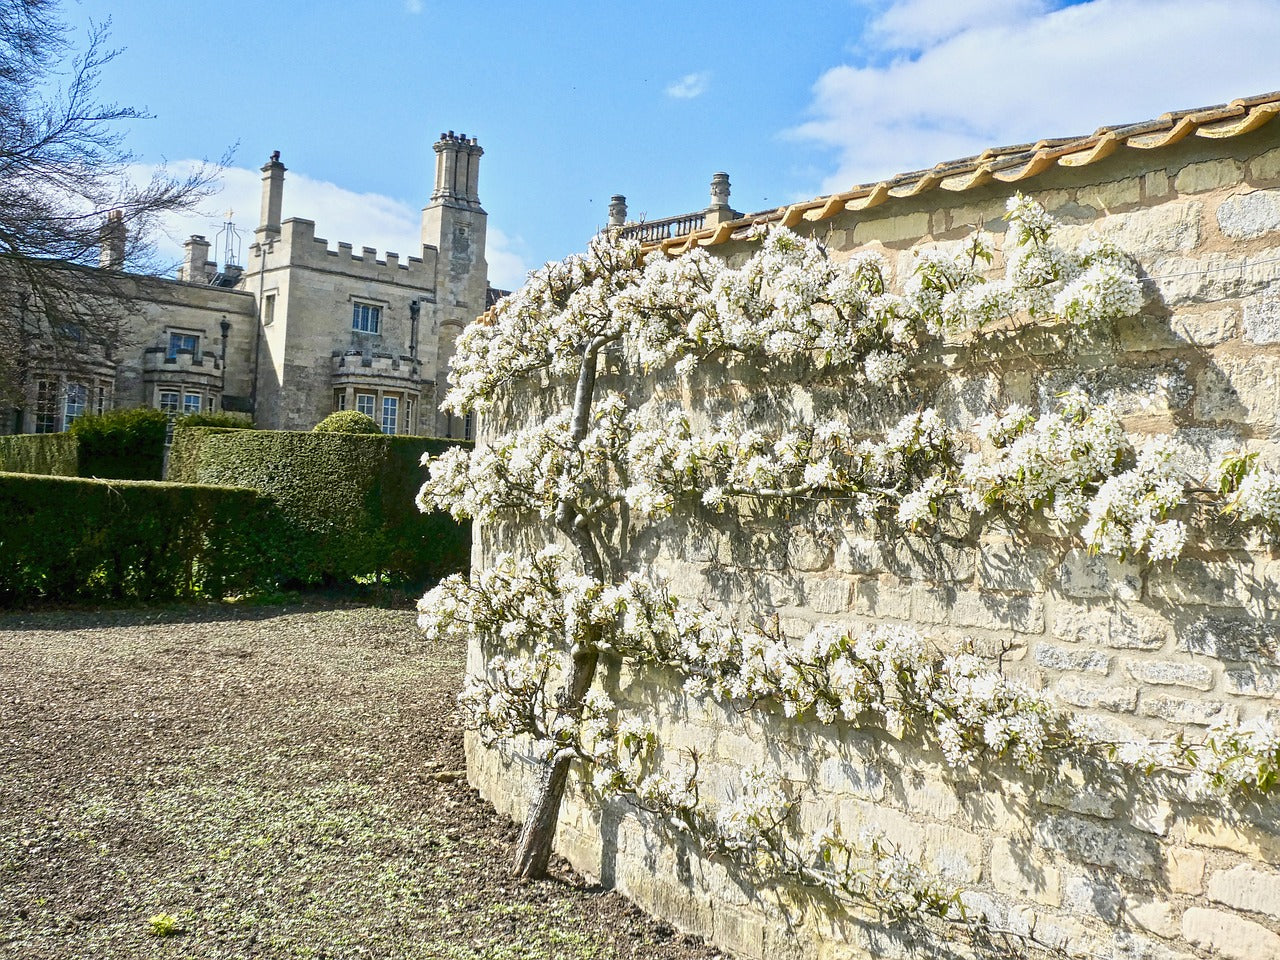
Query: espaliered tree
583, 372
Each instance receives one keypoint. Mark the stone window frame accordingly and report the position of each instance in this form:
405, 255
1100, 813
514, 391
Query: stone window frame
390, 413
366, 317
181, 340
46, 407
180, 405
75, 402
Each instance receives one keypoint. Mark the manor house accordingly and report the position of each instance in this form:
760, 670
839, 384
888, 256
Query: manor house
300, 329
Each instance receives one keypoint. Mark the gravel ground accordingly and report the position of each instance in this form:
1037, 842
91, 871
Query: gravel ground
216, 782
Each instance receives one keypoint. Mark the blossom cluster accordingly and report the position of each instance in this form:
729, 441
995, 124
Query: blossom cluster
1048, 462
1089, 284
1239, 756
1075, 464
734, 459
888, 677
789, 299
521, 341
1250, 491
532, 469
1129, 514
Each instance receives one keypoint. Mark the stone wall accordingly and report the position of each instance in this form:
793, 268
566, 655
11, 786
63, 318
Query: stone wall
1101, 868
313, 289
137, 368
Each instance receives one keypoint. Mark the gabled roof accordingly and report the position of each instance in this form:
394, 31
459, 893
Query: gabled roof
1012, 164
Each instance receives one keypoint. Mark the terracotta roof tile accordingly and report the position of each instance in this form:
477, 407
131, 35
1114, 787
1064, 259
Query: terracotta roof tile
1011, 164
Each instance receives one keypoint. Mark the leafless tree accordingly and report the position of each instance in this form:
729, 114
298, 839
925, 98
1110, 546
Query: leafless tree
64, 179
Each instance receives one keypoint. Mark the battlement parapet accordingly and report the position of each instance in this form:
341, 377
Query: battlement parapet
298, 246
184, 365
371, 368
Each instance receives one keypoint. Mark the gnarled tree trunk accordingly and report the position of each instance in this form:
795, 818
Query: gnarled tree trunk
533, 849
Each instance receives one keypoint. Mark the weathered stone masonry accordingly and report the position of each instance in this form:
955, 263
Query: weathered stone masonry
1102, 868
296, 332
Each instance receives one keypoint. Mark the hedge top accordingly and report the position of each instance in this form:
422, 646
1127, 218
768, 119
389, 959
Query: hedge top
347, 421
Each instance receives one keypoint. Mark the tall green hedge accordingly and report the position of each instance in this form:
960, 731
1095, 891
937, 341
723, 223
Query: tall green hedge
51, 454
66, 538
122, 444
351, 497
117, 445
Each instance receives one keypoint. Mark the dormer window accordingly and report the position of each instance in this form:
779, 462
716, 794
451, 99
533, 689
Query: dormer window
182, 343
366, 317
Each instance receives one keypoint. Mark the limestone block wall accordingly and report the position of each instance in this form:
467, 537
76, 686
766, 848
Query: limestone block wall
195, 308
1098, 866
313, 288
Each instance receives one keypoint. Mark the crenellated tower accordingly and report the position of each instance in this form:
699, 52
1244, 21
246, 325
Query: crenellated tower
454, 224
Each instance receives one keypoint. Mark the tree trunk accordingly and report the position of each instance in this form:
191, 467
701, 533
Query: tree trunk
533, 849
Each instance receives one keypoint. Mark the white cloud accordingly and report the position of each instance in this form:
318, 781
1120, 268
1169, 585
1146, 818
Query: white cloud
974, 82
413, 6
689, 86
507, 266
361, 219
916, 24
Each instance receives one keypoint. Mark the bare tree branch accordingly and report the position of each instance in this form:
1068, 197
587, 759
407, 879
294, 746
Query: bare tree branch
64, 169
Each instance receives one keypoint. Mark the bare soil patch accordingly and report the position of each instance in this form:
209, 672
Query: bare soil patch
264, 782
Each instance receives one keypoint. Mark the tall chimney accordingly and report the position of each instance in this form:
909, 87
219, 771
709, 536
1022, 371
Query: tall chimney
272, 198
474, 151
720, 211
446, 167
111, 239
458, 170
196, 265
617, 210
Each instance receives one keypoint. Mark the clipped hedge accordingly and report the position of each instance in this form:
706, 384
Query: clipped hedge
75, 539
347, 421
350, 496
116, 445
50, 454
122, 444
220, 418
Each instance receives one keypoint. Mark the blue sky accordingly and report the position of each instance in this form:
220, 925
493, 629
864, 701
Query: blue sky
573, 102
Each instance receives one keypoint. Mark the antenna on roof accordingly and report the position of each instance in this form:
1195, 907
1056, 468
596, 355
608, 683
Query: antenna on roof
226, 246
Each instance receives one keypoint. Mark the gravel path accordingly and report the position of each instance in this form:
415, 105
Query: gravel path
216, 782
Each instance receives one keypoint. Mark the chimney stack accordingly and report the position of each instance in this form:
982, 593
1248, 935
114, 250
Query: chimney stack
457, 170
272, 198
111, 239
196, 265
617, 210
720, 211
